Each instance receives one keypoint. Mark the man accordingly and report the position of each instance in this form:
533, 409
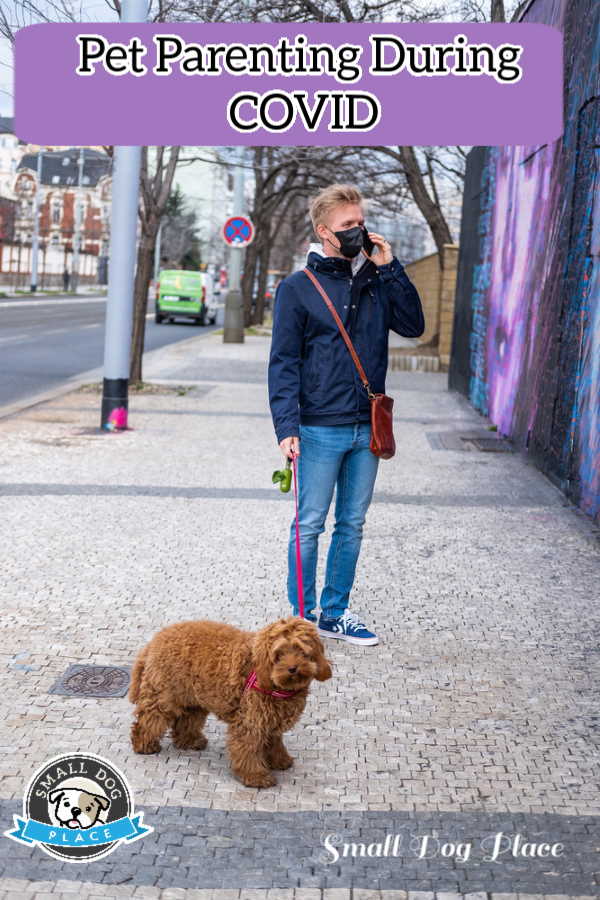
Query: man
320, 408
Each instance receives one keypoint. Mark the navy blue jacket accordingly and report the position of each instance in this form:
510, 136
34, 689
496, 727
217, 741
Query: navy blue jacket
312, 377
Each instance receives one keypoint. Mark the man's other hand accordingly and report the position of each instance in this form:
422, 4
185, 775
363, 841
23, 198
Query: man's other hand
288, 444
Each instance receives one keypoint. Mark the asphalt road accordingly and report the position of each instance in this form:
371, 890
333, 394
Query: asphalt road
45, 342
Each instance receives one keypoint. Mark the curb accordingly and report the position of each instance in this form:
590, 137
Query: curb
414, 363
73, 383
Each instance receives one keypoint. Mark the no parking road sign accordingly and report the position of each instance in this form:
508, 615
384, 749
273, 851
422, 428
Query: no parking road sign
238, 231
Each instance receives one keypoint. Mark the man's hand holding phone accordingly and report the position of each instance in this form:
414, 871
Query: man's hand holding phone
372, 240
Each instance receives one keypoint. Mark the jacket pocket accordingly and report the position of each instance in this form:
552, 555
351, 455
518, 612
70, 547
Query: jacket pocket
310, 380
314, 370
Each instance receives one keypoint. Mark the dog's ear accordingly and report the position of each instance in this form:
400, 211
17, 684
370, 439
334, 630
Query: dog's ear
323, 665
56, 796
308, 630
102, 801
262, 661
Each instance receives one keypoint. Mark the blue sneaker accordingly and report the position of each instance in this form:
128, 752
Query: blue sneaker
347, 627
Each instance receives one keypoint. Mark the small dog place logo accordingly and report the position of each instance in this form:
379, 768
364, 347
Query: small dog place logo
78, 808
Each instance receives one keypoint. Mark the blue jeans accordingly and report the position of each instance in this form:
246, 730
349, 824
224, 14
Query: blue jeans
331, 455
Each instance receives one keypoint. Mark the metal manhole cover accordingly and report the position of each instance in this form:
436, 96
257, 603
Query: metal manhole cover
467, 440
92, 681
493, 445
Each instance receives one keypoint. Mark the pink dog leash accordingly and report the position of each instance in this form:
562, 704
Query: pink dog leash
298, 557
251, 684
251, 680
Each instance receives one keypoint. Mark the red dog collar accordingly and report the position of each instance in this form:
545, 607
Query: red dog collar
251, 684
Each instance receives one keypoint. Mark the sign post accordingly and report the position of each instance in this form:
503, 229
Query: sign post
237, 233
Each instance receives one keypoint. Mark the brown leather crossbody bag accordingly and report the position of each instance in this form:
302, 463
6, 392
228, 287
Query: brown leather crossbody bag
382, 427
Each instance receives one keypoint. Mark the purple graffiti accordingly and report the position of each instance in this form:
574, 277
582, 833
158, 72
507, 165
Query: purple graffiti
534, 342
521, 253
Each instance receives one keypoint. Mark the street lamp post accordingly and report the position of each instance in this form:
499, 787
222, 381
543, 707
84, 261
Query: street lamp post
121, 271
78, 218
35, 239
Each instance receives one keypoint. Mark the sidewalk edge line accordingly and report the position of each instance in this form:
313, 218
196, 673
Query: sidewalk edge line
75, 382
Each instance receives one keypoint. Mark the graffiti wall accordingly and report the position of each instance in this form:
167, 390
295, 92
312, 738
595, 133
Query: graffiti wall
526, 348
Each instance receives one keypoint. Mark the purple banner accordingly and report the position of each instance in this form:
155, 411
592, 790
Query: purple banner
302, 85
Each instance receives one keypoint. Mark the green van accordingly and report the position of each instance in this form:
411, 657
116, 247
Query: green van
181, 293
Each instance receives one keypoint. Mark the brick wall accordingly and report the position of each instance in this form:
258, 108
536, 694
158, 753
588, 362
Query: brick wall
436, 287
446, 301
425, 275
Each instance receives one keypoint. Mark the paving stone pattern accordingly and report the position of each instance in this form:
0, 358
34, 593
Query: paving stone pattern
264, 850
476, 713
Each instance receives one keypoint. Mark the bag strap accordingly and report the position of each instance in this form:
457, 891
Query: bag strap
343, 331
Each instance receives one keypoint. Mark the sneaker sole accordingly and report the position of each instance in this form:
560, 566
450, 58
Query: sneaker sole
331, 634
365, 642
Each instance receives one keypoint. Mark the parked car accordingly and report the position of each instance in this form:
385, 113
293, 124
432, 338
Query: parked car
183, 294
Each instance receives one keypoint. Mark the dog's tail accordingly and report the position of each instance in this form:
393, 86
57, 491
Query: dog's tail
136, 676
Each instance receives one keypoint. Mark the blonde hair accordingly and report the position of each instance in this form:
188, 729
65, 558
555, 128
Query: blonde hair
330, 197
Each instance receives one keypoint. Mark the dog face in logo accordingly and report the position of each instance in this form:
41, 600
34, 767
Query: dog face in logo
74, 808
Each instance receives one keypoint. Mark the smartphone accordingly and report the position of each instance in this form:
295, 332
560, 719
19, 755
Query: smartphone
367, 242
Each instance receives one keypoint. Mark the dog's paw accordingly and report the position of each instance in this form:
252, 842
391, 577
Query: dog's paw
281, 761
150, 747
196, 743
265, 780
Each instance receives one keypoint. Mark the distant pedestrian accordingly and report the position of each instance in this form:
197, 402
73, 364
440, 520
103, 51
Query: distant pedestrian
320, 408
66, 279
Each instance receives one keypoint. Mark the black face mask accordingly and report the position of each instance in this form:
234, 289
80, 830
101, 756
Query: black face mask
351, 241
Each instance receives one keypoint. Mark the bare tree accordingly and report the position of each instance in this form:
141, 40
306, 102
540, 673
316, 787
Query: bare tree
155, 187
283, 176
179, 237
419, 170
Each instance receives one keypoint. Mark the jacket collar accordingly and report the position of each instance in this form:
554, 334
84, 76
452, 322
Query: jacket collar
335, 265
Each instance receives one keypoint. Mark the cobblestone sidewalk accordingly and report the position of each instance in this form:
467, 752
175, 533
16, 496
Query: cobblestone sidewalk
476, 714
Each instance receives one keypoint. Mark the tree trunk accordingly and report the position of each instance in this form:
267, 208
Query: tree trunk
253, 250
155, 191
498, 13
432, 213
263, 273
248, 275
143, 276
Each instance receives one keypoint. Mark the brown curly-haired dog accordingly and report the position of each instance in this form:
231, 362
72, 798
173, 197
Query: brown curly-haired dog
194, 668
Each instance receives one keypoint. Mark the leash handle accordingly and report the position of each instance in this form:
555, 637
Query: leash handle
298, 557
